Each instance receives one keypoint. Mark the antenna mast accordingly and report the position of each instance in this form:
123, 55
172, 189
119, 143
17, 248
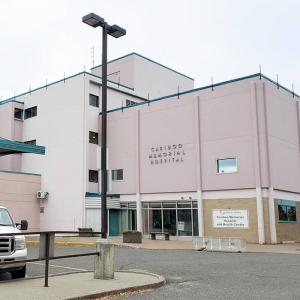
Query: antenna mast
93, 56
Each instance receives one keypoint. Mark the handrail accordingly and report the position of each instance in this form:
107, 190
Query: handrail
45, 252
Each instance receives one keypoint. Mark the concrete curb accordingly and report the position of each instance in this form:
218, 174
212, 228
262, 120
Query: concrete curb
161, 281
88, 244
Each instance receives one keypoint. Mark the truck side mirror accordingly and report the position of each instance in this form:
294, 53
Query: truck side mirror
24, 224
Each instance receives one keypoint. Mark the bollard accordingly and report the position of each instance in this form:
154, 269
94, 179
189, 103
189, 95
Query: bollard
104, 262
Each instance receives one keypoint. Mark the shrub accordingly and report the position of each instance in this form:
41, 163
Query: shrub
130, 231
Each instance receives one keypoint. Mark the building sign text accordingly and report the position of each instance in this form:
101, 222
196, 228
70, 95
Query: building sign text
167, 154
230, 218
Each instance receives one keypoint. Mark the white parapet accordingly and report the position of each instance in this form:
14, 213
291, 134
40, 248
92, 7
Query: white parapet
207, 243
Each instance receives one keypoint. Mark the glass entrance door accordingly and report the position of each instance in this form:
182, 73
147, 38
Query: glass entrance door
169, 221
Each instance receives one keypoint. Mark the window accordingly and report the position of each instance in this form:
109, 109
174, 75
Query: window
227, 165
18, 114
94, 100
93, 137
93, 176
117, 174
30, 112
286, 211
129, 102
32, 142
5, 219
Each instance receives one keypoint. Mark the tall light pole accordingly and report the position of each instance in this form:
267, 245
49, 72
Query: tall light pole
115, 31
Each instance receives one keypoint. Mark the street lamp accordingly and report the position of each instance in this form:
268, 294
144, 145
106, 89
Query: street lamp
115, 31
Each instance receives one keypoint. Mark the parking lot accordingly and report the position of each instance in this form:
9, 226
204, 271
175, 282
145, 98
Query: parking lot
191, 274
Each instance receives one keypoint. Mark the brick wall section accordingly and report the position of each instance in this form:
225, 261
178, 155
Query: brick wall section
251, 234
287, 231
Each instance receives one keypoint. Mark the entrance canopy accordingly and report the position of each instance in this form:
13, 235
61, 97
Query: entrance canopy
11, 147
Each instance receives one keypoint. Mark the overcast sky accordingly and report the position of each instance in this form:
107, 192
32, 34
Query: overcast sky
223, 39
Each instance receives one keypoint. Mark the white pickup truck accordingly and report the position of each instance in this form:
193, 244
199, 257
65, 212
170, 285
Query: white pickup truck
12, 248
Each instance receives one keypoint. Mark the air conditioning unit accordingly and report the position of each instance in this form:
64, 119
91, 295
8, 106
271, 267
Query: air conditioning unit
42, 195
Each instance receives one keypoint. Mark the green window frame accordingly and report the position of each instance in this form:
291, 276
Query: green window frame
287, 211
93, 176
94, 100
18, 115
93, 137
117, 175
30, 112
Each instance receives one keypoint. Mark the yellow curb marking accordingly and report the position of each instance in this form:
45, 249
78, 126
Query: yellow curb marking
64, 243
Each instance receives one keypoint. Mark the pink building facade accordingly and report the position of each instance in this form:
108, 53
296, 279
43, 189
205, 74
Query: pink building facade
220, 161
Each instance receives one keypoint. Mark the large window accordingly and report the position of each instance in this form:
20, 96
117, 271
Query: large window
117, 174
287, 210
93, 137
94, 100
18, 114
30, 112
227, 165
93, 176
177, 218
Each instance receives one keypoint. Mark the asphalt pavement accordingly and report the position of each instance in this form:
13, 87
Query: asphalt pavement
84, 286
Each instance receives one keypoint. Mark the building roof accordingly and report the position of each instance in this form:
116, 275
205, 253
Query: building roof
146, 58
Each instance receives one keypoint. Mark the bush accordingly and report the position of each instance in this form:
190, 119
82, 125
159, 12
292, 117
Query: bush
132, 236
130, 231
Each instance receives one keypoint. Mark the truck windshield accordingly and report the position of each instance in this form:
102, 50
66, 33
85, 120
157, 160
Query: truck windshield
5, 218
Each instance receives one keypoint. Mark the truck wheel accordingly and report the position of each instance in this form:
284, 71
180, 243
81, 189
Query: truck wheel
18, 274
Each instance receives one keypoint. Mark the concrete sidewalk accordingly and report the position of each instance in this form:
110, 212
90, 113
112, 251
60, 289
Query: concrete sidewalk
78, 286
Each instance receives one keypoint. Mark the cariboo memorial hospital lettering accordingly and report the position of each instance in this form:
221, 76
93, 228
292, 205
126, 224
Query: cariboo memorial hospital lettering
167, 154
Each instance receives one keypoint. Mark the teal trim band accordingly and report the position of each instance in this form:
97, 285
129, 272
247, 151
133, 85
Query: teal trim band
286, 202
134, 53
12, 147
58, 81
20, 173
96, 195
203, 88
287, 221
43, 87
9, 101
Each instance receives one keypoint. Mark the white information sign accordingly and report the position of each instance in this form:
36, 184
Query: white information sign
230, 218
180, 226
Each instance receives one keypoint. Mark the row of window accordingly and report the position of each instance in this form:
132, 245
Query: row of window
94, 101
116, 175
224, 165
21, 114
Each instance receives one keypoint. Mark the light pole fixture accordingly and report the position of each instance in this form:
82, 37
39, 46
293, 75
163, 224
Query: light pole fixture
115, 31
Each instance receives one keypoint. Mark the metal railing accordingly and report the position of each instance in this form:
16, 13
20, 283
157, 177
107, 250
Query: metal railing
46, 251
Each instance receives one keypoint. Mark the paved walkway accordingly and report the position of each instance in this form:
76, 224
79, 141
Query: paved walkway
84, 286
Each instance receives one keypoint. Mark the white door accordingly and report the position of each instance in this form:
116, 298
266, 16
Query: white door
93, 218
